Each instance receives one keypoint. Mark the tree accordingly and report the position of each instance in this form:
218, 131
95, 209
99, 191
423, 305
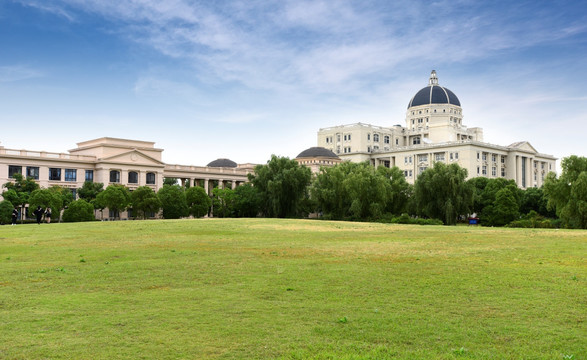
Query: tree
170, 181
246, 201
534, 199
173, 201
223, 202
198, 201
568, 194
282, 185
79, 210
115, 197
6, 208
441, 192
46, 198
18, 192
144, 201
90, 190
504, 210
400, 190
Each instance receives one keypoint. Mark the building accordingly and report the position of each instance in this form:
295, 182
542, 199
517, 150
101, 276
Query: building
434, 131
316, 157
132, 163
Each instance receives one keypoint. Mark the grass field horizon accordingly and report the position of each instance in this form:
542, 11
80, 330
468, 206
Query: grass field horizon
290, 289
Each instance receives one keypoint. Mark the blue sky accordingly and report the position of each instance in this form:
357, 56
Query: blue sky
247, 79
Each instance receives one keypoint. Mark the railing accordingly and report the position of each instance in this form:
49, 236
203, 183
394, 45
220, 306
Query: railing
45, 154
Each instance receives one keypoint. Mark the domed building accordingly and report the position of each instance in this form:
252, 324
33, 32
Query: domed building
434, 131
315, 157
222, 163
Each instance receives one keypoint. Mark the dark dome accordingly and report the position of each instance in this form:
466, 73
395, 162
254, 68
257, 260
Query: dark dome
226, 163
317, 152
434, 94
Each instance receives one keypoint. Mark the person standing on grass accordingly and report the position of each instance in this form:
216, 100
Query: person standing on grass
39, 213
48, 215
14, 215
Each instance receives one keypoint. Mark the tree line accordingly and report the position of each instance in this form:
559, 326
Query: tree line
348, 191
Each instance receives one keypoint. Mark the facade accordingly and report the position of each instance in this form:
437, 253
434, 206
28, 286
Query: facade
434, 131
132, 163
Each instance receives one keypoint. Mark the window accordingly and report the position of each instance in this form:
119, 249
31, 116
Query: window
439, 157
368, 137
376, 137
70, 175
451, 156
422, 158
416, 140
338, 137
90, 175
503, 159
478, 170
386, 139
327, 140
133, 177
494, 171
478, 155
12, 170
151, 177
397, 141
494, 158
502, 172
114, 176
368, 148
349, 137
484, 170
421, 169
55, 174
32, 172
484, 156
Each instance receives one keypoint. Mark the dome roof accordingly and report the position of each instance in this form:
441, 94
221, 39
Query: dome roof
226, 163
317, 152
434, 94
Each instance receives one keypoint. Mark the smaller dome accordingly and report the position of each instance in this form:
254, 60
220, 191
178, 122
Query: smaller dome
317, 152
225, 163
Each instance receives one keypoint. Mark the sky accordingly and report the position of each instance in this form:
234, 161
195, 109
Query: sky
247, 79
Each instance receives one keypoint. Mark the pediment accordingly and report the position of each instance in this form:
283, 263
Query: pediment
132, 157
524, 146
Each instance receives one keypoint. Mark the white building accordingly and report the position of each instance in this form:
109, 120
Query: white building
434, 131
132, 163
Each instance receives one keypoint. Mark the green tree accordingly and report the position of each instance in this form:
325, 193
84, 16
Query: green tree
442, 193
198, 201
18, 192
6, 208
173, 201
144, 201
283, 185
246, 201
170, 181
568, 194
46, 198
115, 197
90, 190
504, 210
534, 199
79, 210
223, 202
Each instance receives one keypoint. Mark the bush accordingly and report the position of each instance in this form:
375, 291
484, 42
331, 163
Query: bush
79, 210
407, 219
6, 208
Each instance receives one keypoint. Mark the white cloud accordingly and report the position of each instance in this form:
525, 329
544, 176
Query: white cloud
17, 73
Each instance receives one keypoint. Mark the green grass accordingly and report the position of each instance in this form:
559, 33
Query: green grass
291, 289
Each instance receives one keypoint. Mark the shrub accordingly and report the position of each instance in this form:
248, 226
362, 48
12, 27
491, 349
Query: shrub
79, 210
6, 208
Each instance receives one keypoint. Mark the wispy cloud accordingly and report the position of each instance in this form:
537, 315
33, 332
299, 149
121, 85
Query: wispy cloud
17, 73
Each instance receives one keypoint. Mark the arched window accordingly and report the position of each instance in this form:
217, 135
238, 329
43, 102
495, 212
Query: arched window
151, 178
133, 177
114, 176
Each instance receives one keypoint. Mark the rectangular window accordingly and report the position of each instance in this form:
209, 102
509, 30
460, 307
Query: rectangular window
410, 159
439, 157
150, 178
421, 169
493, 158
55, 174
502, 172
456, 156
12, 170
478, 172
90, 175
503, 159
494, 171
410, 173
368, 137
397, 141
422, 158
70, 175
451, 156
416, 141
478, 155
32, 172
386, 139
484, 170
338, 137
114, 176
405, 159
376, 137
349, 137
484, 156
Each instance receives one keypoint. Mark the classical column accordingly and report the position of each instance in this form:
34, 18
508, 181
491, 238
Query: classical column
233, 184
221, 184
206, 186
519, 170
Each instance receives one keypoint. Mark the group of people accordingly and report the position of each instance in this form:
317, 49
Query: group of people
39, 212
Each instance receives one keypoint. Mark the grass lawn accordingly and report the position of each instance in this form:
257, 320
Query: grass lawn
290, 289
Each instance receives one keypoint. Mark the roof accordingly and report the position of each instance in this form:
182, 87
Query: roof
225, 163
317, 152
434, 94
